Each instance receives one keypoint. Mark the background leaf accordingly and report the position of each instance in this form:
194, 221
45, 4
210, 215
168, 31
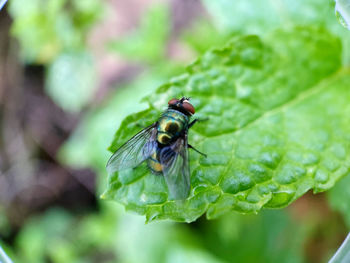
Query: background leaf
147, 43
72, 91
339, 197
46, 28
276, 127
257, 17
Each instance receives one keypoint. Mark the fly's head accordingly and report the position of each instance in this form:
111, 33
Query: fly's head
183, 105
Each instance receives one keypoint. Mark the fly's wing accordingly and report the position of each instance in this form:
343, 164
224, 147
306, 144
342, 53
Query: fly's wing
176, 170
134, 151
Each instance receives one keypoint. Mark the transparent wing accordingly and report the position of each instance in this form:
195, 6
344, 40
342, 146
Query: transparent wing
134, 151
176, 170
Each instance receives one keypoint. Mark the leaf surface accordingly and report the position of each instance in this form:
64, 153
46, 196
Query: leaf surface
277, 127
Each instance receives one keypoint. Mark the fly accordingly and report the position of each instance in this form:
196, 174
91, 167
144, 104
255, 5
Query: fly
163, 145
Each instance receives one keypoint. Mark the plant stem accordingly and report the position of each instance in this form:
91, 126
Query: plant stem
343, 253
2, 3
3, 257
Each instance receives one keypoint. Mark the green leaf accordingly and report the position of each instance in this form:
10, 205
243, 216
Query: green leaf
71, 80
259, 17
240, 235
277, 127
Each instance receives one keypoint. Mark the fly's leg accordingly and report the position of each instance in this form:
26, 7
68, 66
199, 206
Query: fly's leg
189, 126
191, 147
195, 120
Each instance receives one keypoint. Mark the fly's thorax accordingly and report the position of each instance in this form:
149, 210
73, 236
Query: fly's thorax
170, 125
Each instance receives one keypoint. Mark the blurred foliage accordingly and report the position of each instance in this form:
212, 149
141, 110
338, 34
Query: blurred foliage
343, 253
2, 3
71, 80
53, 33
277, 238
260, 17
339, 197
342, 12
58, 236
4, 258
203, 35
45, 28
147, 42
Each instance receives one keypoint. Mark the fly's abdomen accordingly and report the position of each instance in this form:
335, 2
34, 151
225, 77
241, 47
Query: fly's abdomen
153, 164
170, 126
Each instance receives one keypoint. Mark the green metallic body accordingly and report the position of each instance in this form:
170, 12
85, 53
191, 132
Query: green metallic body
170, 126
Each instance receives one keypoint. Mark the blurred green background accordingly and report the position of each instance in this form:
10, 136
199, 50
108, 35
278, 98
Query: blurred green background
70, 72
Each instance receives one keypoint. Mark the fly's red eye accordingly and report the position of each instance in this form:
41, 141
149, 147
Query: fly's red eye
173, 102
188, 107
